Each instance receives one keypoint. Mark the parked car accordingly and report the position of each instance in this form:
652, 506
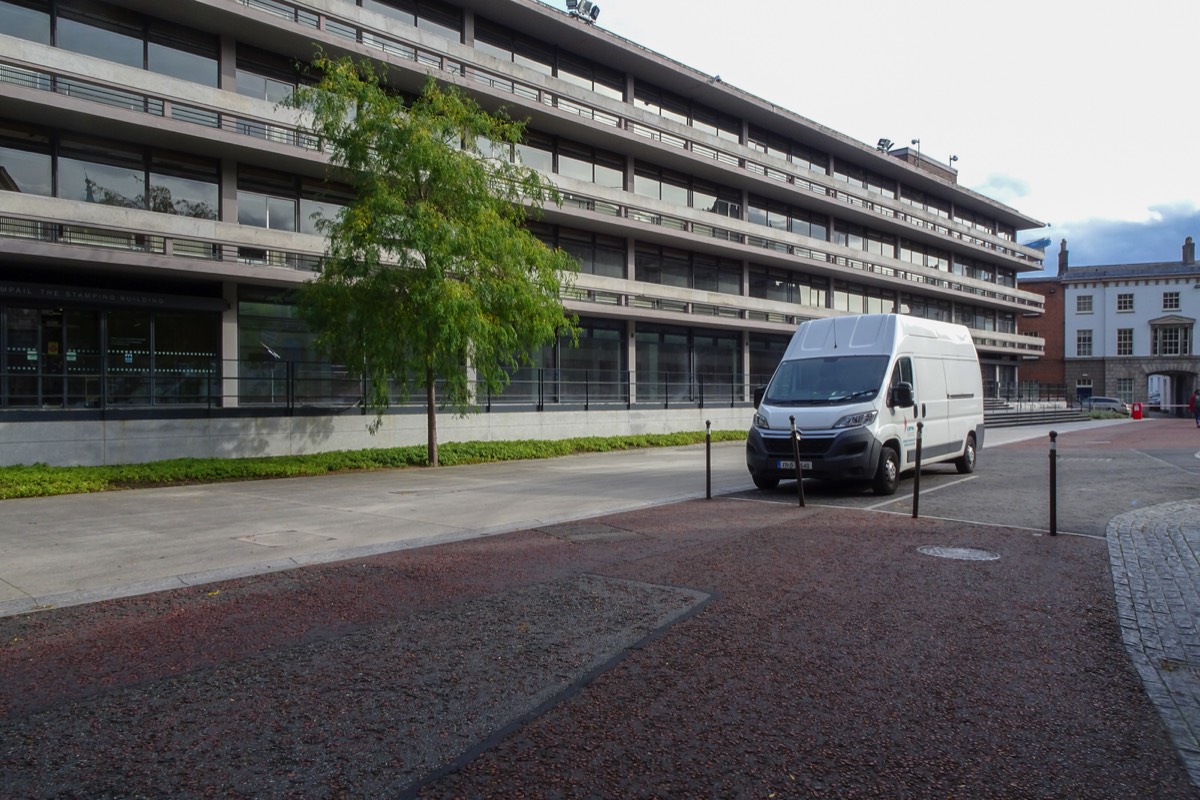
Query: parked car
1106, 404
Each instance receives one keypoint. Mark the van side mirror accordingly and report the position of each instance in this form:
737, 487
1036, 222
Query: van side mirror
901, 395
759, 391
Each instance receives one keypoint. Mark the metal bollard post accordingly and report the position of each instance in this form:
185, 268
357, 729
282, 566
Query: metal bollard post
1053, 483
708, 458
796, 456
917, 476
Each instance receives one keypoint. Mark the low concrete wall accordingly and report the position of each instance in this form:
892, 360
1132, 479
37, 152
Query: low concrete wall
74, 443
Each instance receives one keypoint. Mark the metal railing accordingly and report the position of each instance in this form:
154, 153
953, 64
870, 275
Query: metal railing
143, 382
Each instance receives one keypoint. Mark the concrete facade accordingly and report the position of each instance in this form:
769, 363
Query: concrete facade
708, 222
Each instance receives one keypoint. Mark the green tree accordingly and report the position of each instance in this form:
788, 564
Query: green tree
431, 269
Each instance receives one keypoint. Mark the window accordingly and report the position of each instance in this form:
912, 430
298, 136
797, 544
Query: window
788, 287
1083, 304
1170, 301
1125, 389
597, 254
1175, 340
25, 164
26, 19
1125, 341
1125, 302
1083, 343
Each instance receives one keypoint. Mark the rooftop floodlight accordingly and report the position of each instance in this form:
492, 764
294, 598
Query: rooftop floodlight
884, 145
573, 6
594, 12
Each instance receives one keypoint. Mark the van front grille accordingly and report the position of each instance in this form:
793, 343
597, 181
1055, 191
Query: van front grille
781, 446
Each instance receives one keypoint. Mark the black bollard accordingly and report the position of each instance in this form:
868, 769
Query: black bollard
708, 458
917, 476
1053, 483
796, 455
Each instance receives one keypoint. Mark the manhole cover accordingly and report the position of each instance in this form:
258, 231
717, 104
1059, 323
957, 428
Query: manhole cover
961, 553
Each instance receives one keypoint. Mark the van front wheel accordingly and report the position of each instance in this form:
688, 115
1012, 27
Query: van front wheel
966, 462
887, 477
765, 483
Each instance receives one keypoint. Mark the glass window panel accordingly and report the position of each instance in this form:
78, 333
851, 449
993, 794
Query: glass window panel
729, 280
252, 209
757, 214
405, 15
676, 272
536, 155
94, 182
186, 197
25, 171
25, 20
610, 177
573, 167
444, 23
313, 210
179, 62
117, 38
281, 214
494, 50
674, 194
609, 261
646, 186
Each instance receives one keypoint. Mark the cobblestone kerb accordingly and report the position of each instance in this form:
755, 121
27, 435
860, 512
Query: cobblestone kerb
1155, 556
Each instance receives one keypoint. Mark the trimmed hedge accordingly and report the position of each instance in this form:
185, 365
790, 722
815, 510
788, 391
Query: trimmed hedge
40, 480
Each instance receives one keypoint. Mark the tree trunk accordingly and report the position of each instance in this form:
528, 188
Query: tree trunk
431, 418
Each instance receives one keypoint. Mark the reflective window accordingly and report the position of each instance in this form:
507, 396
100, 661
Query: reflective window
181, 53
184, 185
25, 163
101, 31
101, 172
401, 11
26, 19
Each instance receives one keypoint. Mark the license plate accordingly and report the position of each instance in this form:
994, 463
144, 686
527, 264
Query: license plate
792, 465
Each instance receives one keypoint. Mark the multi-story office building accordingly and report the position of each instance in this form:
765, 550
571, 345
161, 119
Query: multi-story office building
156, 205
1129, 329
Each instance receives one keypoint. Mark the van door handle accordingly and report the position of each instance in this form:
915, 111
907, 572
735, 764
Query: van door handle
924, 413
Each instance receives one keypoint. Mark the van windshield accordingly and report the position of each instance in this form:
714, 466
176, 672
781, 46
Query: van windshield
826, 381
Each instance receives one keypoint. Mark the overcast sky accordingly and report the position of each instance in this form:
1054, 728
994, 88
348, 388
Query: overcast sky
1082, 115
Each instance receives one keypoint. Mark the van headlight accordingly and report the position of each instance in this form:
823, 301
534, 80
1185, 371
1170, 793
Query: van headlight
760, 422
856, 420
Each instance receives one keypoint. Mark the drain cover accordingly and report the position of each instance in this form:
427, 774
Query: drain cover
961, 553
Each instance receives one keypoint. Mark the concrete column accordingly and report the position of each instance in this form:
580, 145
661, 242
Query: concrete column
229, 346
468, 33
229, 211
631, 357
227, 71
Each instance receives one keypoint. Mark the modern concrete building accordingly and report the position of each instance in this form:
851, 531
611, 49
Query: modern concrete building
1129, 329
156, 207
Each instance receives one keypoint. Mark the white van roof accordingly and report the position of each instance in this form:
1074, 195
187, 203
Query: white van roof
868, 334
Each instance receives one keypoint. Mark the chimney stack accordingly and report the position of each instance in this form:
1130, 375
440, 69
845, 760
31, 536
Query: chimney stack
1062, 258
1189, 251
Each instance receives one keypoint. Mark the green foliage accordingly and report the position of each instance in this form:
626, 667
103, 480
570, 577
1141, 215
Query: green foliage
40, 480
430, 269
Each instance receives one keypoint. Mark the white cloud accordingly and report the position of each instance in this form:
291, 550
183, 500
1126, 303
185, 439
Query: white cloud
1070, 114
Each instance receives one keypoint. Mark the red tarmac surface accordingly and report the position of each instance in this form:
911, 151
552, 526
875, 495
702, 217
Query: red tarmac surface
832, 659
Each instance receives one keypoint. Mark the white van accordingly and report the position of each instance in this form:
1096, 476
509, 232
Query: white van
857, 386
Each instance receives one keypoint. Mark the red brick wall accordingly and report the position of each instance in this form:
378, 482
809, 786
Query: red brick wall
1050, 369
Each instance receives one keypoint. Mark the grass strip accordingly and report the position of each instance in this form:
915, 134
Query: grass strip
41, 480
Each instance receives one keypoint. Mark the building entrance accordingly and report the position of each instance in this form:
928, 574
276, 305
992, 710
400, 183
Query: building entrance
91, 358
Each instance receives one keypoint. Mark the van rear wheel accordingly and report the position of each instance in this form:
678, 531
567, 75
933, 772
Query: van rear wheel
887, 477
965, 464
